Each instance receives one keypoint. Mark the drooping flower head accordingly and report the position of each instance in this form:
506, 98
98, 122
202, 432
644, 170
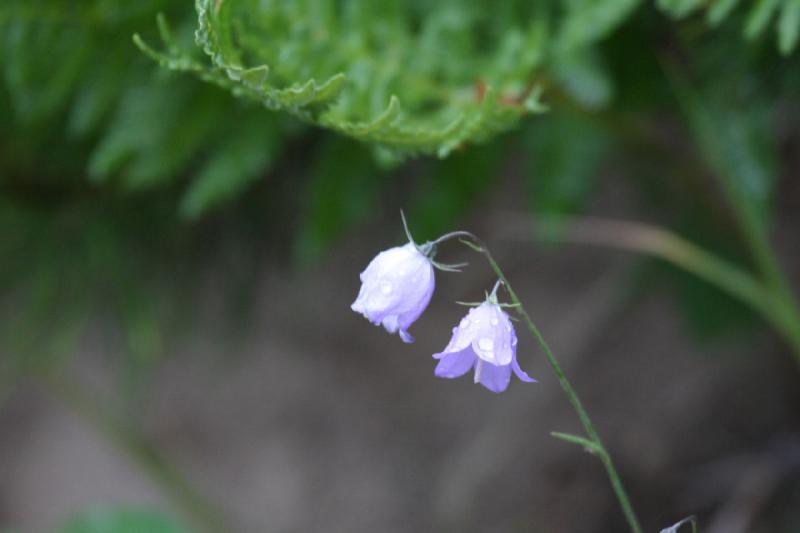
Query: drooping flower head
396, 287
486, 341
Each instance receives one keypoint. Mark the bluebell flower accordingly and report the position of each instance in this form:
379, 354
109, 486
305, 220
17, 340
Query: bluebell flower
396, 287
486, 341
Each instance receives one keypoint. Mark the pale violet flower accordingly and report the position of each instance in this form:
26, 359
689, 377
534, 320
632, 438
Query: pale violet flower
486, 341
396, 287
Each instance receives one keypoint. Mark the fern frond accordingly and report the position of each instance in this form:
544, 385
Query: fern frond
390, 80
759, 14
586, 21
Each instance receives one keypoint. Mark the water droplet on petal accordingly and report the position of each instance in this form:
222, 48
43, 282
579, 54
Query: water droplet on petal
464, 323
494, 321
386, 287
486, 344
514, 341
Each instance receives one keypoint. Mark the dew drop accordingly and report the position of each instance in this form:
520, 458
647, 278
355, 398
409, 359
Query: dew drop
494, 321
464, 323
386, 287
514, 341
486, 344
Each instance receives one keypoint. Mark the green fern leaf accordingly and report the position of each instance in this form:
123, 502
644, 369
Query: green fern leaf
680, 8
789, 26
241, 157
388, 80
587, 21
760, 15
720, 10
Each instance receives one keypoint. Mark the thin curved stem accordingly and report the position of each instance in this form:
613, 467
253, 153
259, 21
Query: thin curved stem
453, 235
595, 444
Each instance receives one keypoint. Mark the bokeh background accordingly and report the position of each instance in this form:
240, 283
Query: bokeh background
177, 351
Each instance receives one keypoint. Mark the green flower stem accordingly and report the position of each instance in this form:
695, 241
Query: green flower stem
594, 444
203, 516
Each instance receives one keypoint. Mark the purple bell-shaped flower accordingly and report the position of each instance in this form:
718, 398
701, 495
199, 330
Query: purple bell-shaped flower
396, 287
486, 341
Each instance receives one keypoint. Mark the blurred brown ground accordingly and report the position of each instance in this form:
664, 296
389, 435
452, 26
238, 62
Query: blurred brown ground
314, 420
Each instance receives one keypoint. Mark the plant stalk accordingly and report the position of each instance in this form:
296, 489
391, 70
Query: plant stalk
597, 445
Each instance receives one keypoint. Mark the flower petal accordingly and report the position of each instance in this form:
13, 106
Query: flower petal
506, 338
396, 288
390, 323
521, 374
493, 339
418, 292
406, 336
454, 364
493, 377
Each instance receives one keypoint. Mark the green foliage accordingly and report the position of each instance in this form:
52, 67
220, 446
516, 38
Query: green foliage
104, 152
736, 141
79, 93
64, 262
709, 314
121, 176
383, 74
98, 147
759, 14
586, 21
724, 199
564, 156
340, 193
582, 74
445, 190
239, 158
120, 520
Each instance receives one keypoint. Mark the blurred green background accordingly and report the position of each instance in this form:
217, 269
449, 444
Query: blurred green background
177, 222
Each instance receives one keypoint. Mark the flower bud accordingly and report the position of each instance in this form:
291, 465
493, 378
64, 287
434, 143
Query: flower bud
396, 287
